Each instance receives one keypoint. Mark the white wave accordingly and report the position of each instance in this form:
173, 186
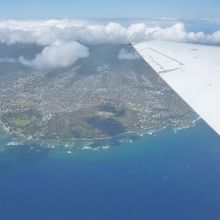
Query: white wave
106, 147
51, 146
196, 120
175, 130
68, 145
86, 148
13, 143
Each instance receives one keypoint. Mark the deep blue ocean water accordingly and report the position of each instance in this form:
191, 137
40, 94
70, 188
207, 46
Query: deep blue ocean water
170, 176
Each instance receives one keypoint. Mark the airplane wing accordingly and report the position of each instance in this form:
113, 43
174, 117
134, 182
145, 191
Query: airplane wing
193, 71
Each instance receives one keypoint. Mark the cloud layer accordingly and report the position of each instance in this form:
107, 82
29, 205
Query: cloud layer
58, 54
46, 32
60, 37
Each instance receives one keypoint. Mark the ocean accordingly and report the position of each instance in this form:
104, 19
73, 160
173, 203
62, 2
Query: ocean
164, 176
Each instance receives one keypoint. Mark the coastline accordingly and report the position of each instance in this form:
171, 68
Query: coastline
89, 143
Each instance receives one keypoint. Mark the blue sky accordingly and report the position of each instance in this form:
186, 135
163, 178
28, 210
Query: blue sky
109, 9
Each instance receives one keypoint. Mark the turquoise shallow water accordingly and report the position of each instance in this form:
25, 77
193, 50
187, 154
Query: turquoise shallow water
169, 176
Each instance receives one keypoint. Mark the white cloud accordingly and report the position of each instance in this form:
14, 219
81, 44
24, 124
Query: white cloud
215, 37
46, 32
64, 53
58, 54
43, 32
127, 55
177, 32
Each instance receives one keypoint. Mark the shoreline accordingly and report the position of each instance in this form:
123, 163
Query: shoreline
72, 141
